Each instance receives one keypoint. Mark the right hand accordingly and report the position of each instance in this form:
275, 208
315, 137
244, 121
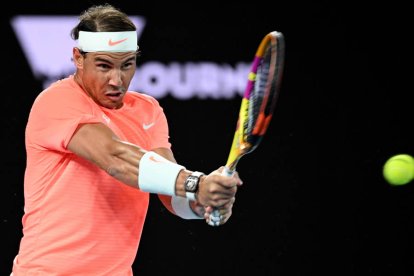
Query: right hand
217, 192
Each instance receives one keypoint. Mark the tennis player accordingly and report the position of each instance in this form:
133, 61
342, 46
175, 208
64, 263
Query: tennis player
95, 151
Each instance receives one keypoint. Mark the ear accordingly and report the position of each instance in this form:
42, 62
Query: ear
77, 58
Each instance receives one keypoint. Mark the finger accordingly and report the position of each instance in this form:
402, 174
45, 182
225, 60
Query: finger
208, 209
237, 176
225, 181
220, 203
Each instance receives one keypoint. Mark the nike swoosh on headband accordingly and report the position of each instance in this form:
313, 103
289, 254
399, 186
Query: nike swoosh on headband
113, 43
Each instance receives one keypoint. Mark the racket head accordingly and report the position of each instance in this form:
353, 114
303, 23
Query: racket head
259, 99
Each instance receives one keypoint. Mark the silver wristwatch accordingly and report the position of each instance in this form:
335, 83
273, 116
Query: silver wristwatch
191, 184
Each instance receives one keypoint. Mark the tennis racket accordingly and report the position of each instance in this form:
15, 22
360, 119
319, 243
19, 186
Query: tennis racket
258, 103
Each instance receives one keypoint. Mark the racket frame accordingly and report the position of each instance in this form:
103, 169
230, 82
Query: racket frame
273, 42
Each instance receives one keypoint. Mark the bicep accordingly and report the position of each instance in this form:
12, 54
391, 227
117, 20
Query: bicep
99, 144
92, 142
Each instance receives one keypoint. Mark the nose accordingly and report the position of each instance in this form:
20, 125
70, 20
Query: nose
115, 77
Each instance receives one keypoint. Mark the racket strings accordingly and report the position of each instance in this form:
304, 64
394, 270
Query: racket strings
257, 98
275, 75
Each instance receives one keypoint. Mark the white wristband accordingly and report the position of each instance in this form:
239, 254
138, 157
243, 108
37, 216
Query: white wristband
182, 208
190, 196
157, 175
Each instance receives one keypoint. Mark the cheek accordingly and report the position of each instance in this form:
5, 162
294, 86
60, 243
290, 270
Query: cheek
127, 76
97, 79
95, 83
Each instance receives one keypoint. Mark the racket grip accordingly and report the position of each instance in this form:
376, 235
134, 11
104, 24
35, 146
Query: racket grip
227, 172
215, 216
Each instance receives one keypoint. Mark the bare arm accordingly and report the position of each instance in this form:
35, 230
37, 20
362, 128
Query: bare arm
98, 144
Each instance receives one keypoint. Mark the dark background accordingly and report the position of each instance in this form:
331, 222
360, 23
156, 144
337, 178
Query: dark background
314, 200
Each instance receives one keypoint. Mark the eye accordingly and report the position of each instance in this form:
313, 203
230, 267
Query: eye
103, 66
127, 65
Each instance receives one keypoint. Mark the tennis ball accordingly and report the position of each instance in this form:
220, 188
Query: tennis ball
399, 169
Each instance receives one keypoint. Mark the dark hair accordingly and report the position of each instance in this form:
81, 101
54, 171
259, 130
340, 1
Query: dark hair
102, 18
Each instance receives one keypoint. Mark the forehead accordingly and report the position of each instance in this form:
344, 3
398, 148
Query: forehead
112, 56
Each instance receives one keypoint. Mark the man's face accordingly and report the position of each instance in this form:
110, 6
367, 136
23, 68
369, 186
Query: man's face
106, 76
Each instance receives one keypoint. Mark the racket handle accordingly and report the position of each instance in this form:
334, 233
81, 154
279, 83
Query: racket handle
227, 171
215, 216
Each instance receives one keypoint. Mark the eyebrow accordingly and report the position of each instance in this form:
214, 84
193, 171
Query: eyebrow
137, 53
108, 61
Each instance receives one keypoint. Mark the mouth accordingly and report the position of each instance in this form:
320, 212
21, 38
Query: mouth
114, 95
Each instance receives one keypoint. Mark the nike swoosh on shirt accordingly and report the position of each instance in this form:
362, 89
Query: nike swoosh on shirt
113, 43
147, 126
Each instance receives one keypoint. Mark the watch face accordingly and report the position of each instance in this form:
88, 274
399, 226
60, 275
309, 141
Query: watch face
191, 183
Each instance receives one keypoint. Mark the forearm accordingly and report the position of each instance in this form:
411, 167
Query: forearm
155, 171
98, 144
125, 166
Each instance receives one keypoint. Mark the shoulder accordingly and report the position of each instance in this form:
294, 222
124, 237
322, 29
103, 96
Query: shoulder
61, 95
61, 89
136, 98
142, 97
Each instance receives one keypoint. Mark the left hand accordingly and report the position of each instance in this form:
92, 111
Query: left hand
224, 211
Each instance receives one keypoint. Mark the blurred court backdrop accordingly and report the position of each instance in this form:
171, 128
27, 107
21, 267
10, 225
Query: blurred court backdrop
314, 200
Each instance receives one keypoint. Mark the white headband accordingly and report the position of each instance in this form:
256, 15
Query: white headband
108, 41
